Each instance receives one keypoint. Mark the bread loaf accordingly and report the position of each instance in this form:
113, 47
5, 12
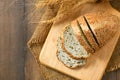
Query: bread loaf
103, 25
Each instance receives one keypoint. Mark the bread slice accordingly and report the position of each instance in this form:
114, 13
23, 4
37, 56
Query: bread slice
66, 59
72, 45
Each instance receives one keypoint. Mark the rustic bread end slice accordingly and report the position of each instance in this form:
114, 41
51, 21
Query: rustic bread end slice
66, 59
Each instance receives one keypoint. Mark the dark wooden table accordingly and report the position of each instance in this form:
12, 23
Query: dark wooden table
16, 62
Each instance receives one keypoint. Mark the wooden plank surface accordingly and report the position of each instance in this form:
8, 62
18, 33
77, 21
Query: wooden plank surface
32, 70
12, 40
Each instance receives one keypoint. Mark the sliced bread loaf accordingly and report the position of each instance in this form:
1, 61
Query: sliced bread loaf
85, 35
72, 45
66, 59
103, 27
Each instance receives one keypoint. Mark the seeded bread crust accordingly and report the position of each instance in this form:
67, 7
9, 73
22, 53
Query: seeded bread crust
104, 26
66, 59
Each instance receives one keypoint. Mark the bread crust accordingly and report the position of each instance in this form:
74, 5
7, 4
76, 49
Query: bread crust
104, 25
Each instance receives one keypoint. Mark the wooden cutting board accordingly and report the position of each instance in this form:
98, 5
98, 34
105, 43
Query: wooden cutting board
96, 64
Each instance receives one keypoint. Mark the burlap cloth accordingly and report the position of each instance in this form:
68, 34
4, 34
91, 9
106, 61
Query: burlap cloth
56, 10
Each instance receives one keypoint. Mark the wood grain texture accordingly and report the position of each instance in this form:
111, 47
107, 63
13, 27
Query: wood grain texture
32, 70
96, 64
12, 40
118, 74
